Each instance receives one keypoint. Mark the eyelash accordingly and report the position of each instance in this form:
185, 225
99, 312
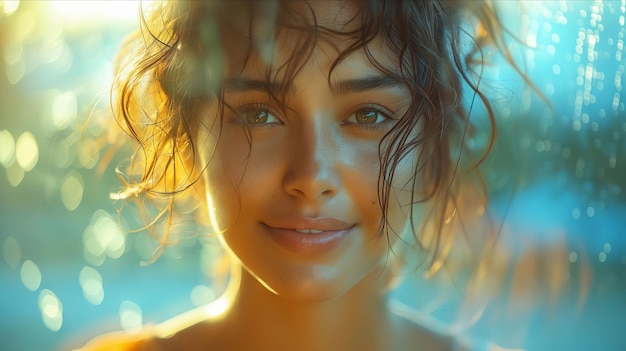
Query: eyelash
254, 107
383, 112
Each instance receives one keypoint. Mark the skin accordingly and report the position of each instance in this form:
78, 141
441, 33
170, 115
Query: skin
317, 157
316, 160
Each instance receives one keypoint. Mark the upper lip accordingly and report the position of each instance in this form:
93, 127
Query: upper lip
306, 223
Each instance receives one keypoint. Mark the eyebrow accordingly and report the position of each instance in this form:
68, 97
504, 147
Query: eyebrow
341, 87
344, 87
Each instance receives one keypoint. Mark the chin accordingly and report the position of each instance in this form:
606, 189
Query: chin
308, 286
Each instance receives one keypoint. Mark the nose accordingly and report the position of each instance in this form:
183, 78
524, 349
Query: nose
312, 170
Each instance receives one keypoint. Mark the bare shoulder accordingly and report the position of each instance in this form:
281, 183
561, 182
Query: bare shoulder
183, 332
192, 330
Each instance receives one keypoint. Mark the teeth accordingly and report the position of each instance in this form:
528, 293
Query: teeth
309, 231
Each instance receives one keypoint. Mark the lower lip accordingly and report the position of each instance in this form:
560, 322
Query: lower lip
308, 244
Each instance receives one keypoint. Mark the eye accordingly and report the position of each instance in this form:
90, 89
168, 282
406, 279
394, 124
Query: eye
367, 116
254, 114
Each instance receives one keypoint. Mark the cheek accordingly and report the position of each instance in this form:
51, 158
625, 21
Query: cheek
238, 177
361, 181
360, 174
224, 168
401, 203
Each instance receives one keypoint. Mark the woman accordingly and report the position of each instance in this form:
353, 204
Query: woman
325, 137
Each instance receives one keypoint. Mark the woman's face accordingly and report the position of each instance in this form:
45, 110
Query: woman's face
293, 189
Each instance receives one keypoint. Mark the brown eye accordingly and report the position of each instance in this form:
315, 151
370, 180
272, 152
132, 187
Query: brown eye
256, 116
259, 116
370, 117
367, 117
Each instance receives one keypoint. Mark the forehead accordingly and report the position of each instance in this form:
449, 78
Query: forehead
292, 34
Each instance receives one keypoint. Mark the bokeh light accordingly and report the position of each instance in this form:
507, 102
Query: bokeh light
11, 251
15, 174
103, 237
7, 148
51, 310
202, 295
26, 151
130, 317
64, 108
91, 283
556, 175
82, 12
10, 6
31, 276
72, 191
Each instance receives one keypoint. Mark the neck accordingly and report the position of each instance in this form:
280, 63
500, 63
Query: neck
358, 319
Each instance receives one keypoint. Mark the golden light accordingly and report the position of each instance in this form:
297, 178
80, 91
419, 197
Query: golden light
27, 151
7, 148
10, 6
97, 11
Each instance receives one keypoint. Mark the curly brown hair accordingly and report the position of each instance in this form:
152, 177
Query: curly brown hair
173, 66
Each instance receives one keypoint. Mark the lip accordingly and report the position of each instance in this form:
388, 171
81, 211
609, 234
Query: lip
315, 235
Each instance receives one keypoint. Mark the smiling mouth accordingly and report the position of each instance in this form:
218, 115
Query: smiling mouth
308, 225
309, 231
326, 235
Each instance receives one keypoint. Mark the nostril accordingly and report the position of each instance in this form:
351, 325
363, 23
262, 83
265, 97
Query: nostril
311, 192
310, 186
